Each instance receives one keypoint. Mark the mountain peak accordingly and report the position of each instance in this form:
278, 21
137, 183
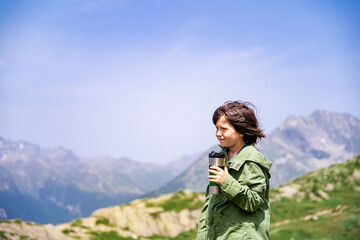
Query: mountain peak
325, 117
305, 143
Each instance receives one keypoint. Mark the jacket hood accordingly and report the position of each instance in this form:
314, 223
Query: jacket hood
250, 153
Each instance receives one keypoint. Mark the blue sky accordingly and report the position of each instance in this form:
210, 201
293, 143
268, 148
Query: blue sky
141, 79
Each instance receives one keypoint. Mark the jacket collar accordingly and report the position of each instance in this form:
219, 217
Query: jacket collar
248, 153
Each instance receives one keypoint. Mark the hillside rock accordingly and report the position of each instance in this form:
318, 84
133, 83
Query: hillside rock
166, 216
17, 229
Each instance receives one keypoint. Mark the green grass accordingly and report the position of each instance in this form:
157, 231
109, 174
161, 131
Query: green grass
67, 231
77, 223
104, 221
351, 225
32, 224
186, 235
18, 221
26, 238
3, 235
191, 234
331, 226
112, 235
23, 237
178, 202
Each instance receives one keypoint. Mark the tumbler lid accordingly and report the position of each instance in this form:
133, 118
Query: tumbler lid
214, 154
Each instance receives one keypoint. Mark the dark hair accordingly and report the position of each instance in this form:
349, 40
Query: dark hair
241, 115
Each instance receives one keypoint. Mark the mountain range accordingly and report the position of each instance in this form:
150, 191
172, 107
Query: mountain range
56, 186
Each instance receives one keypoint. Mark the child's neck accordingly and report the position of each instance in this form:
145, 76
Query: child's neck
234, 150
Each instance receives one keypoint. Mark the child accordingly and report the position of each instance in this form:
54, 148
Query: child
242, 210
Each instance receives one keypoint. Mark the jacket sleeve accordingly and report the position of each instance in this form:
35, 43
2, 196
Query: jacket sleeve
248, 191
202, 227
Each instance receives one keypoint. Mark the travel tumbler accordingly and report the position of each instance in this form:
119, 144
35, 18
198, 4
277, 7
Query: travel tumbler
216, 159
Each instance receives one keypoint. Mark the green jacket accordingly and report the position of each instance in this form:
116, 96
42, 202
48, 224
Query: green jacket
242, 210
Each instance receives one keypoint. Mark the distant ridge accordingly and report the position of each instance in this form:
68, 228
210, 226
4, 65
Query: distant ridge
54, 185
191, 178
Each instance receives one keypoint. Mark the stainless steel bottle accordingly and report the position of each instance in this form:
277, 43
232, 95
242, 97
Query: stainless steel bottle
216, 159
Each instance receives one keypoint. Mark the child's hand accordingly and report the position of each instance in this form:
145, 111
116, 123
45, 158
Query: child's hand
219, 174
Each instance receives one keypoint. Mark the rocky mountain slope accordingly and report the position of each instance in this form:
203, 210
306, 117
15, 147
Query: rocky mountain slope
54, 185
299, 145
305, 143
322, 204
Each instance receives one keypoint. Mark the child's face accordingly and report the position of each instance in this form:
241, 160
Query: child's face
227, 134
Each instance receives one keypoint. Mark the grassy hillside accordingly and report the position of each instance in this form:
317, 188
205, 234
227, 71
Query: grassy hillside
323, 204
